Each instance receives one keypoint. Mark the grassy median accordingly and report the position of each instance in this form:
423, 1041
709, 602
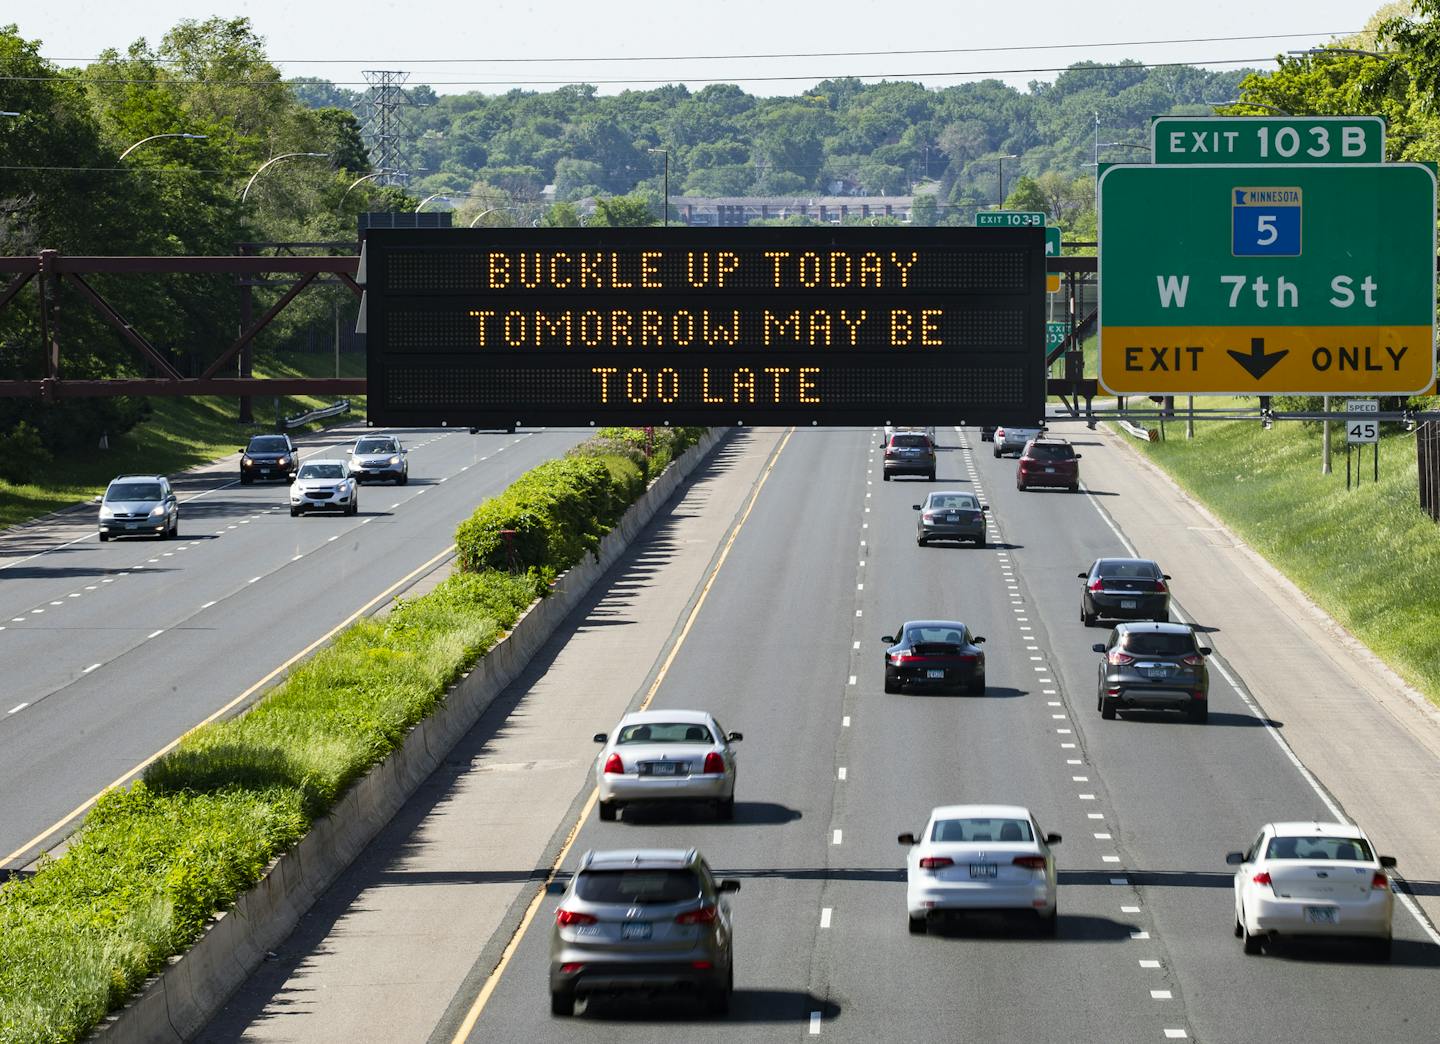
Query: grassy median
1368, 556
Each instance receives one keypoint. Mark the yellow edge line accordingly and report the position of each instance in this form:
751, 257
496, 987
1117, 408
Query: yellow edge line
493, 980
80, 810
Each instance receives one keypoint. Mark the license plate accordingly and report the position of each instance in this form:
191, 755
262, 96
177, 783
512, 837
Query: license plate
952, 517
982, 870
1322, 915
932, 673
1049, 471
637, 930
664, 768
1127, 603
132, 525
1158, 672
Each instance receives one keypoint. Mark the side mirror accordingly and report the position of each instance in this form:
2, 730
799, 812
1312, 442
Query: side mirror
554, 888
915, 506
1078, 456
729, 884
1205, 650
1098, 647
99, 498
602, 737
906, 839
978, 639
889, 639
1388, 862
734, 737
1083, 576
1164, 576
1053, 839
1235, 858
984, 507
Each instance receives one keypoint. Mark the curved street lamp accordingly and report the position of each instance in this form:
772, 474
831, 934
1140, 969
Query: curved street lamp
439, 195
516, 206
152, 137
364, 177
277, 159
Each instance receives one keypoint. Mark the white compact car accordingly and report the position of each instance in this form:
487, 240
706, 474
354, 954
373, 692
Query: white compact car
1312, 879
324, 485
666, 755
981, 858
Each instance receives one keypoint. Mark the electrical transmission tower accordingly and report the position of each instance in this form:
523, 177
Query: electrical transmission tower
384, 124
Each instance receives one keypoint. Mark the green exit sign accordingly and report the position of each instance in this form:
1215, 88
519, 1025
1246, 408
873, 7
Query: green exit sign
1009, 219
1268, 139
1055, 334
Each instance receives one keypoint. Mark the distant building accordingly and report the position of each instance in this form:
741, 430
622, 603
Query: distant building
722, 211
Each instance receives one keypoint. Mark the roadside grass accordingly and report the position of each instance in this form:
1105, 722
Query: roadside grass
1367, 556
183, 431
153, 862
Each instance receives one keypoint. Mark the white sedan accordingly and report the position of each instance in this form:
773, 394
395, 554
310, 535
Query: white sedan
1312, 879
980, 858
666, 755
324, 485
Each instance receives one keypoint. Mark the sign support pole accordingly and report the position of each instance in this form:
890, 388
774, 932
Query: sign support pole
1325, 439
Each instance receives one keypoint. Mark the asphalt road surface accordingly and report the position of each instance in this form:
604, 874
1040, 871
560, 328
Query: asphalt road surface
112, 651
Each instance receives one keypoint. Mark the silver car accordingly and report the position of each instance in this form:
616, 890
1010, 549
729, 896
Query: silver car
324, 485
136, 505
666, 755
376, 457
1010, 439
643, 920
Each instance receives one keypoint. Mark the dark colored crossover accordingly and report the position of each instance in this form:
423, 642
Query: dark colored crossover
934, 656
1125, 589
1156, 666
268, 457
1048, 462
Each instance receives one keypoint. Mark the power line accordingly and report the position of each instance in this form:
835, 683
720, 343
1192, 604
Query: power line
947, 73
752, 57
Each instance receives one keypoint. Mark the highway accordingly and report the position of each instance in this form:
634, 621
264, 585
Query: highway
784, 645
114, 650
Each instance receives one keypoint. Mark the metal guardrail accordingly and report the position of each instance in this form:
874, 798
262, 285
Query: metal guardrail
343, 406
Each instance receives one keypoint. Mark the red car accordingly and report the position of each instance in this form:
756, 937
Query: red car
1048, 462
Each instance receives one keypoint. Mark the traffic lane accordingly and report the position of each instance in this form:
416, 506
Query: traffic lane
768, 655
1184, 795
103, 723
912, 752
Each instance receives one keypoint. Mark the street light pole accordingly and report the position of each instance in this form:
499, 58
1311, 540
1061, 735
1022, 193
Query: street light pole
362, 178
427, 199
277, 159
1000, 203
666, 154
142, 141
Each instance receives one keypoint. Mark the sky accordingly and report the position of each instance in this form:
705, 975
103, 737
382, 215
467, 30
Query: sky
769, 47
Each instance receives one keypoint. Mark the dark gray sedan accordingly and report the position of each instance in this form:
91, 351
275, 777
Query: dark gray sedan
953, 515
1158, 666
1124, 588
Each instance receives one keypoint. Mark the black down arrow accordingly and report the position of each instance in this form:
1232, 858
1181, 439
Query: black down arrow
1257, 364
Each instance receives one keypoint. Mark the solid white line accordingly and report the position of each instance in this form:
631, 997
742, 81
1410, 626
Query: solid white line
836, 839
17, 708
92, 667
156, 634
825, 917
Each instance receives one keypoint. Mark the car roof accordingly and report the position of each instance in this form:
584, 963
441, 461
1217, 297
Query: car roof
980, 812
323, 460
1314, 829
638, 858
678, 716
1050, 440
935, 623
139, 478
1146, 627
388, 438
954, 493
1126, 561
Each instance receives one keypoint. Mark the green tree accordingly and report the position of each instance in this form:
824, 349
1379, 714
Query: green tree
632, 211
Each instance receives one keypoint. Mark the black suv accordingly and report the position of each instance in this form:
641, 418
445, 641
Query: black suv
1158, 666
268, 456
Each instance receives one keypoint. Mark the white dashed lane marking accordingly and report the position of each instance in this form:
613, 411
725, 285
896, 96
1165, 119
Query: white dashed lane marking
835, 840
17, 708
92, 667
825, 917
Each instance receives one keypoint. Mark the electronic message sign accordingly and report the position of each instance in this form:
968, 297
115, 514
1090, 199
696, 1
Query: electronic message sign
576, 326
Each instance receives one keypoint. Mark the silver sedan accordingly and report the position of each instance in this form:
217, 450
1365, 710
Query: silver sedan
666, 755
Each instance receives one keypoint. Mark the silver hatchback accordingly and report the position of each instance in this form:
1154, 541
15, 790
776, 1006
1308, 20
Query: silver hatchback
643, 921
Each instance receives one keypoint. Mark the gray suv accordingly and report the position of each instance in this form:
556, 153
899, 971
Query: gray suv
1153, 666
139, 505
643, 920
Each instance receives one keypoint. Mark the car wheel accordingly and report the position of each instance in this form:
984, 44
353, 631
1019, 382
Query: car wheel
354, 508
562, 1003
980, 542
930, 476
1238, 930
1107, 709
104, 537
725, 810
1075, 488
1200, 715
294, 512
289, 480
175, 529
891, 685
1251, 944
997, 453
1020, 485
920, 541
918, 925
404, 479
245, 480
608, 810
885, 475
717, 998
1088, 619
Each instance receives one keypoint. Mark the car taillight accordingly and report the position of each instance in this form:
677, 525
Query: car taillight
614, 764
1160, 587
936, 862
1097, 584
928, 516
1199, 694
969, 658
1263, 877
713, 763
1380, 882
1119, 659
1034, 862
704, 915
1193, 660
903, 658
566, 918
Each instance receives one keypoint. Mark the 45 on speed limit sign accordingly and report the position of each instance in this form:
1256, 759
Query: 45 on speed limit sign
1359, 429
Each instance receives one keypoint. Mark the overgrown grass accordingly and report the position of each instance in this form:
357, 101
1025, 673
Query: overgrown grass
182, 432
151, 864
1367, 556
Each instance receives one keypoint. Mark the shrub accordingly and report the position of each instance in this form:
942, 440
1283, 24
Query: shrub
22, 455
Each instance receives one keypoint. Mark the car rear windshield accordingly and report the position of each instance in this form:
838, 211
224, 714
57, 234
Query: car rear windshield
1042, 451
666, 732
982, 830
1160, 644
267, 444
1140, 570
322, 471
936, 635
133, 491
375, 446
1318, 848
910, 441
637, 886
956, 502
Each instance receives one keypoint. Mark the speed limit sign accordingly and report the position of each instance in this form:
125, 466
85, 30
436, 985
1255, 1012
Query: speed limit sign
1360, 429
